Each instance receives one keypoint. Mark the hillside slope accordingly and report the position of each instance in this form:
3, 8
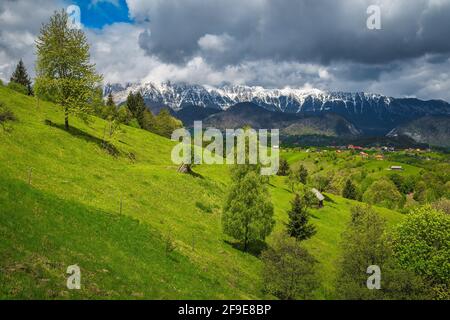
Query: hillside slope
242, 114
60, 204
432, 130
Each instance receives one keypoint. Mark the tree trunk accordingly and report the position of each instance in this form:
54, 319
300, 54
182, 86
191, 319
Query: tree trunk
66, 120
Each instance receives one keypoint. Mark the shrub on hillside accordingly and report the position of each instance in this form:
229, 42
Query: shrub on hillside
421, 243
322, 181
6, 115
428, 190
18, 87
165, 124
364, 244
289, 270
384, 193
284, 169
442, 205
349, 191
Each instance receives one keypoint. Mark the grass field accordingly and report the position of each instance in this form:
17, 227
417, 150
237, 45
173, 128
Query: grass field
65, 200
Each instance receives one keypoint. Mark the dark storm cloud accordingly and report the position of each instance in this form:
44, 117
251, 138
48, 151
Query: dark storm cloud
322, 31
363, 72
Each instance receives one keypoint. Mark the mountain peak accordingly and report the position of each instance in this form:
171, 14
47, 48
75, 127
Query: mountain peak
287, 99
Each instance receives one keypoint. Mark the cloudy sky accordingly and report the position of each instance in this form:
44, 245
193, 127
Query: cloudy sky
323, 44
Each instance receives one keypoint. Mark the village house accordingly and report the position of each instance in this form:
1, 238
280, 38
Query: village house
352, 147
364, 155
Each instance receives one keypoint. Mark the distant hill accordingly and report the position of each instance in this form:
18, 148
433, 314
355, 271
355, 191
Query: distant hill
190, 114
242, 114
432, 130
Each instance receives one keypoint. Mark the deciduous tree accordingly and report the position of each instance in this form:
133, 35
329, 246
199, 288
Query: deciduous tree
248, 211
64, 73
289, 270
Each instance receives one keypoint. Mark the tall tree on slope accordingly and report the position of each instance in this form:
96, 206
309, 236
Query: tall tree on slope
64, 73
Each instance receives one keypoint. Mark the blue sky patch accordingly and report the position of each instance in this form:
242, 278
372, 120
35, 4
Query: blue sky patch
96, 14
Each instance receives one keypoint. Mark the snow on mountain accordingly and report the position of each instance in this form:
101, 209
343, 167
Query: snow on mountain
373, 113
292, 100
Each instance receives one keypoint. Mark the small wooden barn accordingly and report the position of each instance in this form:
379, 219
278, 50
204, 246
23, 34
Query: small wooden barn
319, 196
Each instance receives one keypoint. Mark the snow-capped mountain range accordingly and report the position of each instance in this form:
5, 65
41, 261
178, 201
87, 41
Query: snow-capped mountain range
372, 113
292, 100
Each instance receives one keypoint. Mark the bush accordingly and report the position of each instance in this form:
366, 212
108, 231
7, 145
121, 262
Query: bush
18, 87
364, 244
404, 184
165, 124
442, 205
422, 244
6, 115
321, 182
284, 168
384, 193
134, 123
349, 191
288, 270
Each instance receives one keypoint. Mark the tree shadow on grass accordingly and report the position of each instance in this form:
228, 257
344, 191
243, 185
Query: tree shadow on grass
105, 145
328, 199
314, 216
255, 248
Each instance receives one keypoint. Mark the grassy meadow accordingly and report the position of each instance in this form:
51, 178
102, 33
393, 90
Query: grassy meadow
137, 228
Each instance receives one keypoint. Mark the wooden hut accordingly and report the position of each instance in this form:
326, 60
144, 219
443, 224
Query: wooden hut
319, 196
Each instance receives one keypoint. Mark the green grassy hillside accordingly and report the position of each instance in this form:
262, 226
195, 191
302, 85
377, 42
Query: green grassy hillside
69, 212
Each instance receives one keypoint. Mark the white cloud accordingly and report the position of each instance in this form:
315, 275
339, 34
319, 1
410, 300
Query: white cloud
20, 22
212, 42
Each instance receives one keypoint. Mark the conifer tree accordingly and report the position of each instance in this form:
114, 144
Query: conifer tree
110, 101
349, 191
136, 105
303, 174
21, 77
298, 226
284, 168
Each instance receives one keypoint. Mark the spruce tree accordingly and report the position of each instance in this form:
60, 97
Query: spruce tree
298, 226
284, 168
110, 102
303, 174
136, 105
21, 77
64, 73
349, 191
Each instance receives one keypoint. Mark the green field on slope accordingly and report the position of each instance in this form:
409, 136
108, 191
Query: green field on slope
70, 212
